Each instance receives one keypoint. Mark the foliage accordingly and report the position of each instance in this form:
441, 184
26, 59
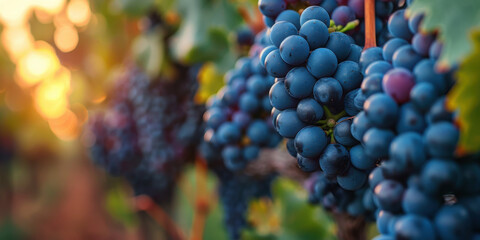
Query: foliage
454, 20
465, 98
289, 216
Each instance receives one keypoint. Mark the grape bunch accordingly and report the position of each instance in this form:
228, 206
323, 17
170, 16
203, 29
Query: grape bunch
341, 12
422, 189
238, 117
149, 131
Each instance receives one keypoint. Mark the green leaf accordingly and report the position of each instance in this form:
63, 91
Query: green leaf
466, 98
118, 207
298, 219
203, 33
148, 51
455, 21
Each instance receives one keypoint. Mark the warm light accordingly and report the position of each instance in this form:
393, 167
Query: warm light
14, 13
50, 99
17, 41
66, 38
78, 12
65, 127
37, 64
50, 6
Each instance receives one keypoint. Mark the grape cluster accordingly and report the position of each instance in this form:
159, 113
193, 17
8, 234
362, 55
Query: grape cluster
422, 189
341, 12
238, 117
149, 131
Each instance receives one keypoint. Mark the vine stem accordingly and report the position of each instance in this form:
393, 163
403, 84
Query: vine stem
370, 39
202, 205
145, 203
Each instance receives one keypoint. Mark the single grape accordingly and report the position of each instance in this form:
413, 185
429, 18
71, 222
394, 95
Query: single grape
280, 98
343, 15
271, 8
391, 47
380, 67
406, 57
322, 63
249, 102
349, 75
377, 142
441, 139
294, 50
410, 119
315, 32
372, 84
315, 12
309, 111
408, 150
339, 43
299, 82
388, 195
280, 31
453, 222
289, 16
352, 180
423, 95
381, 110
414, 227
398, 25
335, 160
359, 159
342, 133
288, 123
310, 141
258, 132
275, 65
360, 125
440, 177
327, 91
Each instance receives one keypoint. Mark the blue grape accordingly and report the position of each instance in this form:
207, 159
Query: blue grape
343, 15
410, 119
350, 107
349, 75
294, 50
275, 65
453, 222
377, 142
214, 117
280, 98
414, 22
359, 159
291, 147
378, 67
423, 95
424, 71
242, 119
352, 180
251, 152
264, 54
408, 150
381, 110
383, 221
339, 43
315, 12
232, 157
310, 141
406, 57
249, 102
307, 164
375, 177
358, 7
372, 84
299, 82
440, 176
334, 160
229, 133
438, 112
398, 25
417, 202
329, 5
322, 63
369, 56
388, 195
257, 85
360, 125
289, 16
315, 32
288, 123
271, 8
309, 111
391, 47
355, 53
421, 43
342, 133
435, 50
280, 31
258, 132
327, 91
414, 227
441, 139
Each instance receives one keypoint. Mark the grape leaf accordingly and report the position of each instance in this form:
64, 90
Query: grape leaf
297, 218
210, 80
203, 33
465, 98
455, 20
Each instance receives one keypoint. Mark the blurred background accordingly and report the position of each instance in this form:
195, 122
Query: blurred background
60, 60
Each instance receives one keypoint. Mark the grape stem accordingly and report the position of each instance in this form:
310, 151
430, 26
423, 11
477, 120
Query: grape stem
370, 39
